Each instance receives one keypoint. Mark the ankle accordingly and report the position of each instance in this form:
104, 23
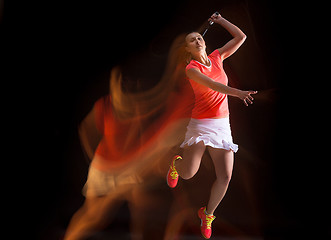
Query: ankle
209, 213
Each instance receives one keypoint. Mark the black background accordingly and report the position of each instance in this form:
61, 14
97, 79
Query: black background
59, 54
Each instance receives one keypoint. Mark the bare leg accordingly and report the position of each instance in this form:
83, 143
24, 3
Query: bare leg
223, 162
189, 165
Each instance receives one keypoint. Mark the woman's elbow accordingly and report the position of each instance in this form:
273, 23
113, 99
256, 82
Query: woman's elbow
242, 37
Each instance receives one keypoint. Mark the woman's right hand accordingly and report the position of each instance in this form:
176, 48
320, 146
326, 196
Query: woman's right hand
216, 17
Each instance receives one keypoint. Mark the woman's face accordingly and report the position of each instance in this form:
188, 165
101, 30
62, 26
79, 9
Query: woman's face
195, 43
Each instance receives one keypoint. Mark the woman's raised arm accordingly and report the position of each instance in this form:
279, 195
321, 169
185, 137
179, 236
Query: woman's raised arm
238, 36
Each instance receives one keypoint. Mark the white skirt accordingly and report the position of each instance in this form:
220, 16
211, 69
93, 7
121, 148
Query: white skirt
100, 183
215, 133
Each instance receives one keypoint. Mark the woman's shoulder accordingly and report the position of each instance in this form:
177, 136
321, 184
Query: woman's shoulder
215, 57
215, 54
192, 64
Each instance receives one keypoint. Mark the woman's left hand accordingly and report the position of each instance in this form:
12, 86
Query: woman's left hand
246, 96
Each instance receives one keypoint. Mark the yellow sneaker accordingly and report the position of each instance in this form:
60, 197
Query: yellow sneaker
206, 221
172, 176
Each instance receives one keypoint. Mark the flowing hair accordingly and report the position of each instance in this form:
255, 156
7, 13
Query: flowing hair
129, 105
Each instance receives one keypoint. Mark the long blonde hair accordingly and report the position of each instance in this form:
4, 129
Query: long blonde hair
145, 103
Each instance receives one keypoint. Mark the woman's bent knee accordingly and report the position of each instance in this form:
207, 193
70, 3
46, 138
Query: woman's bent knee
188, 173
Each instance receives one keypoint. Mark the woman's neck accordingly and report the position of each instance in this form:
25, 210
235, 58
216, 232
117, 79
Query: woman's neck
202, 58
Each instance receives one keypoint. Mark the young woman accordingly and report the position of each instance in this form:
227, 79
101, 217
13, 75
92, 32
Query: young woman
209, 126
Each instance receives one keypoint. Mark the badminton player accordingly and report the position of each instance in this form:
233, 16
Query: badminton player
209, 127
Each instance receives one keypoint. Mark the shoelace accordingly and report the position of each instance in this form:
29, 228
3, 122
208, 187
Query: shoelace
173, 173
209, 220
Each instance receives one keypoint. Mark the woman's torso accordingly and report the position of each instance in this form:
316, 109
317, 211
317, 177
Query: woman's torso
210, 103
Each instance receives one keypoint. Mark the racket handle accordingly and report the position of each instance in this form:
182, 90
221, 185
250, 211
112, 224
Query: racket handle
211, 22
